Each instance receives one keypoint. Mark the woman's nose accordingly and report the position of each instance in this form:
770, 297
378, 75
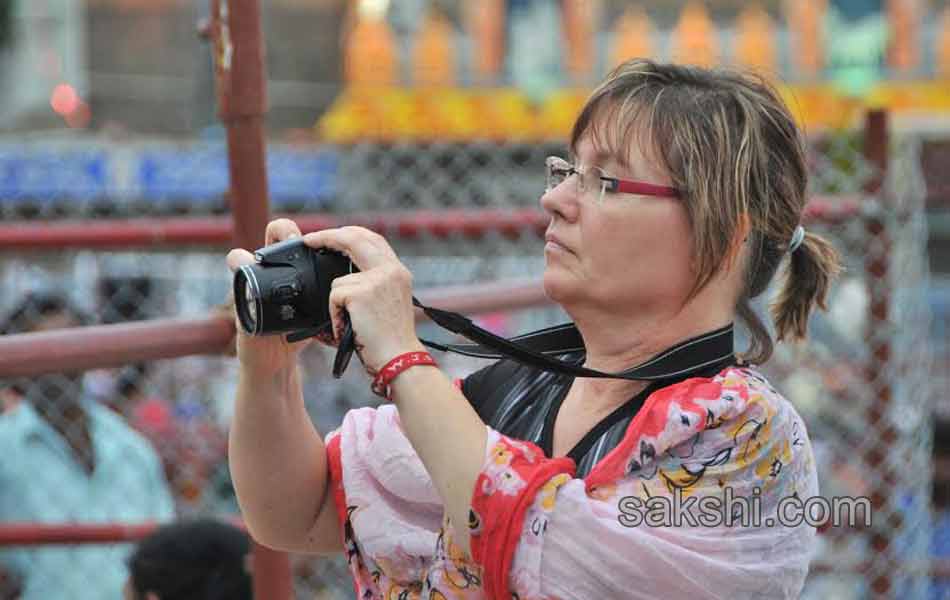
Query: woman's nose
562, 201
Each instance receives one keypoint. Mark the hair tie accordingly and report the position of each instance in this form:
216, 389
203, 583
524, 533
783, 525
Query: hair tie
797, 238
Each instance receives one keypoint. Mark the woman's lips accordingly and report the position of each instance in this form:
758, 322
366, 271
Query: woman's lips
553, 244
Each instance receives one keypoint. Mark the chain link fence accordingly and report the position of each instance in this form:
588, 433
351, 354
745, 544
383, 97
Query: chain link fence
868, 411
864, 383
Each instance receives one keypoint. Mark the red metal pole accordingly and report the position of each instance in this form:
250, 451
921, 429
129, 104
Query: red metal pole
877, 266
175, 232
67, 350
51, 534
242, 104
241, 82
219, 231
101, 346
43, 534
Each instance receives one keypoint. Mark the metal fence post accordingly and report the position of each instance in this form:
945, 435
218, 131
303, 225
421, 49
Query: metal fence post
877, 259
240, 79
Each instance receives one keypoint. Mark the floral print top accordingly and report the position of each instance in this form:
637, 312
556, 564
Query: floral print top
539, 532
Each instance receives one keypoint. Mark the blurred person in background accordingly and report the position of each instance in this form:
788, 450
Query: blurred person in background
684, 198
940, 544
70, 459
191, 560
189, 443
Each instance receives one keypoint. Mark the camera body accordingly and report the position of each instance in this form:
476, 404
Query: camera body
287, 289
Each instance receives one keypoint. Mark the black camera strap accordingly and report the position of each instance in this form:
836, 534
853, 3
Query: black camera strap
539, 348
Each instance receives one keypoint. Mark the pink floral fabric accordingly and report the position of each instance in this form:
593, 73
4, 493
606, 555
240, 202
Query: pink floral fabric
539, 532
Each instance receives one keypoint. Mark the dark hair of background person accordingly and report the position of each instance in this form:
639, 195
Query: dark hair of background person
941, 458
193, 560
30, 312
123, 299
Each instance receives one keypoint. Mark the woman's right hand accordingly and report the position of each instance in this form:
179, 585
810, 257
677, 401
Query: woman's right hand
268, 353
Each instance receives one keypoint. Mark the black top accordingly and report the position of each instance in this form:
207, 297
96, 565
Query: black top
522, 402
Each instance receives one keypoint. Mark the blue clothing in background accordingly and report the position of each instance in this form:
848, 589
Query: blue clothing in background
940, 548
40, 480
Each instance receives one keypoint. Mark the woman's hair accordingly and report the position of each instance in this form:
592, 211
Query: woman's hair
732, 148
193, 560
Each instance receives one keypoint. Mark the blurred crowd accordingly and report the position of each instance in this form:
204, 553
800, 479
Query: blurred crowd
104, 447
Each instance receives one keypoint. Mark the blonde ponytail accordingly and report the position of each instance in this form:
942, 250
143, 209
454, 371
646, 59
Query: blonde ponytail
808, 275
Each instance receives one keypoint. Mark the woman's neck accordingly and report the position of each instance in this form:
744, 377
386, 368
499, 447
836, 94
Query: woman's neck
616, 342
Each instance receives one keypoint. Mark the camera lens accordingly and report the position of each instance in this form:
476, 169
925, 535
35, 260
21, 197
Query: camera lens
249, 305
246, 298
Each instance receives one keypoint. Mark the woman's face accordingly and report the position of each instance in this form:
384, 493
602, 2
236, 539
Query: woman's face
621, 253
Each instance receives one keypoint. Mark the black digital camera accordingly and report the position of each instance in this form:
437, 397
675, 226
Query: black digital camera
287, 290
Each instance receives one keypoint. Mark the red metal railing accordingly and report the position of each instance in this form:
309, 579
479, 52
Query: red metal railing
41, 534
67, 350
218, 231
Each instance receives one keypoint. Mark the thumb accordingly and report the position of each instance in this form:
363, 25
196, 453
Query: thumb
238, 258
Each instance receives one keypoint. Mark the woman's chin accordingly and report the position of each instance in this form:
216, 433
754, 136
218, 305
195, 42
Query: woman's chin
558, 285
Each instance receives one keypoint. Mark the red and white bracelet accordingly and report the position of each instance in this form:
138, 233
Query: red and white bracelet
396, 366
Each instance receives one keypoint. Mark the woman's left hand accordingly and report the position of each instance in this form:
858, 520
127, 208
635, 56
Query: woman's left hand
378, 298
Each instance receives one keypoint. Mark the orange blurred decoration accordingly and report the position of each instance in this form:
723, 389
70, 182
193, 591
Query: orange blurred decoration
903, 53
369, 51
695, 37
805, 23
943, 44
433, 55
755, 40
633, 36
486, 24
579, 18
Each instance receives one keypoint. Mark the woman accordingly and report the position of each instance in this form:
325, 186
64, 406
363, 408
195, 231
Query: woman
685, 196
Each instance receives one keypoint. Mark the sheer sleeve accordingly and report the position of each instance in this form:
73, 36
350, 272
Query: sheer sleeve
538, 532
389, 510
586, 551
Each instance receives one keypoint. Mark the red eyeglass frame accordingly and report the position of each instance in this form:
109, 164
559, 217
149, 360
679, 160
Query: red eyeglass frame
624, 186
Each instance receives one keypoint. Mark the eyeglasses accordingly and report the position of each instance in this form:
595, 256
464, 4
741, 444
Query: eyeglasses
589, 179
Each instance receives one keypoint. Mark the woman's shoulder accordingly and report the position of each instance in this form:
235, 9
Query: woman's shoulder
727, 394
706, 420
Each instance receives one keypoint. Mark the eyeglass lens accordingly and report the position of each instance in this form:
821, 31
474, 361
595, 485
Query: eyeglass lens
558, 169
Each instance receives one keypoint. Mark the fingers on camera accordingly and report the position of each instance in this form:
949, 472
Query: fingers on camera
279, 230
238, 257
